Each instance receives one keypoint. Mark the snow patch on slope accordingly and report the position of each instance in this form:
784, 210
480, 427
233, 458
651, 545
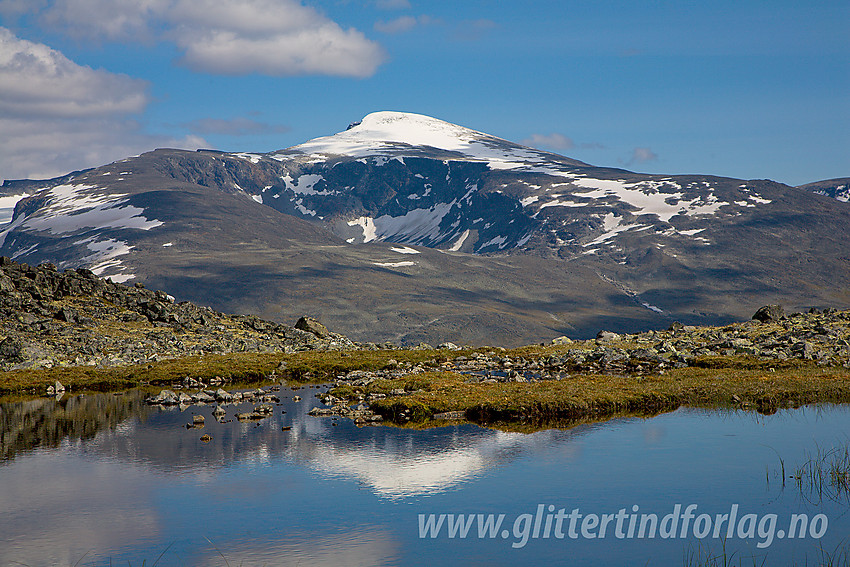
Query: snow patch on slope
459, 242
405, 250
415, 226
305, 184
648, 200
612, 225
394, 264
74, 207
7, 206
104, 258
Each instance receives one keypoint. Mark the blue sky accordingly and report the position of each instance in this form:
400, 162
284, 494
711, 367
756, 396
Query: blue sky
741, 89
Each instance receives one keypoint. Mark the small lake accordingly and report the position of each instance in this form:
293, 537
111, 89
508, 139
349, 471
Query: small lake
103, 479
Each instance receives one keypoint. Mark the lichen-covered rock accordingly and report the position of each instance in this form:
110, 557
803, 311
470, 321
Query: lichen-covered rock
311, 325
769, 313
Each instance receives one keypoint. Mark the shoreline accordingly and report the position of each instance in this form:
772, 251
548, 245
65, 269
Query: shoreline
72, 331
527, 387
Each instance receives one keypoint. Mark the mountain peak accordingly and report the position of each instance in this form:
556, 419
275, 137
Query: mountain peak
405, 134
414, 129
387, 130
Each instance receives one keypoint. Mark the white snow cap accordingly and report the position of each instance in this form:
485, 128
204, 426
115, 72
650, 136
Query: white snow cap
380, 128
400, 134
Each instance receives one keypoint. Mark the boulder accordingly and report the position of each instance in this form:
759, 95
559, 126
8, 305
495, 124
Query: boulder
67, 315
11, 350
203, 398
312, 326
769, 313
165, 398
223, 396
606, 336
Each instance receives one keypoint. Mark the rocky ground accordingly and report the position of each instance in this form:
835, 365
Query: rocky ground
817, 339
73, 318
819, 336
51, 319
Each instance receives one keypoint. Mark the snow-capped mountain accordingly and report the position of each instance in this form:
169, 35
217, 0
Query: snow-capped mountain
835, 188
406, 227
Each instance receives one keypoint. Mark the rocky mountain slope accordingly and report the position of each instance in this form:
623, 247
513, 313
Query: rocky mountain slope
835, 188
407, 228
73, 318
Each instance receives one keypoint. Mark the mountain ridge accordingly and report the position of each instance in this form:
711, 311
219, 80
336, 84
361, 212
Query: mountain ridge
408, 228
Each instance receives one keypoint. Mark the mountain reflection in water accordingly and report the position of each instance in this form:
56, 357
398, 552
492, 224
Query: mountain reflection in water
105, 479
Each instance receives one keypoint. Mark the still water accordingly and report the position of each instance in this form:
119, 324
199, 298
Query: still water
103, 479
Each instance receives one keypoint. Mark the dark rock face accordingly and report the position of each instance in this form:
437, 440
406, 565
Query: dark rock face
769, 313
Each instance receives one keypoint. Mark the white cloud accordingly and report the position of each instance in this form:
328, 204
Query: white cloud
16, 8
40, 149
232, 37
398, 25
274, 37
555, 141
642, 155
36, 80
115, 20
57, 116
404, 23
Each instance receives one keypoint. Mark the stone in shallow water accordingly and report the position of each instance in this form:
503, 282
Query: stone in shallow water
165, 397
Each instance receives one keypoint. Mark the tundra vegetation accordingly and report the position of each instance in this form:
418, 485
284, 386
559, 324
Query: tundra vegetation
91, 334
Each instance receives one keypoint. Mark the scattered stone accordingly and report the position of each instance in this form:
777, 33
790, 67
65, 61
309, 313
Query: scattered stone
311, 325
11, 350
450, 415
607, 336
769, 313
563, 340
164, 398
203, 398
264, 409
206, 438
67, 315
223, 396
50, 318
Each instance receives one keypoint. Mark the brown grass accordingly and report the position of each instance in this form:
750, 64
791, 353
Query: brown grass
716, 382
585, 396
